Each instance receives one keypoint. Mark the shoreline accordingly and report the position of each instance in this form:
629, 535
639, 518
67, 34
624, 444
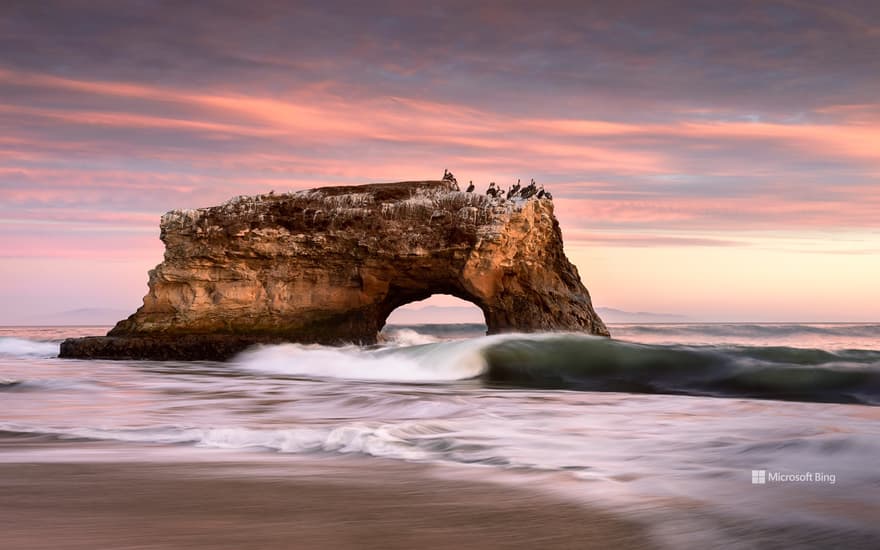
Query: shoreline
128, 496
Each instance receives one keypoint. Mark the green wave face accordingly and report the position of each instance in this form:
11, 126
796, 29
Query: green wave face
577, 362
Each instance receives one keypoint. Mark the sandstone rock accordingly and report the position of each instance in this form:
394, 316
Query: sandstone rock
329, 265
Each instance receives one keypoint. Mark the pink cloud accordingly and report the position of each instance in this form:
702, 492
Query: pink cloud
305, 138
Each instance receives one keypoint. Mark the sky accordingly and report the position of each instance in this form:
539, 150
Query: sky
714, 160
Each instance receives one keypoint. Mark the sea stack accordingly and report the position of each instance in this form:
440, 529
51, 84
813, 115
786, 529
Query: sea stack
329, 265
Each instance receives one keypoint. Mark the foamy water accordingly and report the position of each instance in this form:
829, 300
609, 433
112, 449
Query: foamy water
504, 406
20, 347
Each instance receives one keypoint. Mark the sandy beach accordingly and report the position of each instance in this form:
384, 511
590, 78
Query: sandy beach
104, 498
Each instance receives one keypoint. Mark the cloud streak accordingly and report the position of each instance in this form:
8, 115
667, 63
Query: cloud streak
656, 175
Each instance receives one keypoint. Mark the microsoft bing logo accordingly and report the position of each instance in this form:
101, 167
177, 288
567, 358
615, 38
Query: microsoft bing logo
759, 477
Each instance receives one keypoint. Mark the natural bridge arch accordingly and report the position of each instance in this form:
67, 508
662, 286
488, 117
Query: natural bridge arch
329, 265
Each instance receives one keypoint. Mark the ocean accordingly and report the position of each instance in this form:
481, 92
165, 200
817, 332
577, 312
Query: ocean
720, 435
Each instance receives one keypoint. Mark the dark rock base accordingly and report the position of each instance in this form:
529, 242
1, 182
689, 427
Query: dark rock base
205, 347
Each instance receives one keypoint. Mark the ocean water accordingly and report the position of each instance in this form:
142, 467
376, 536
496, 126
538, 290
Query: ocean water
672, 425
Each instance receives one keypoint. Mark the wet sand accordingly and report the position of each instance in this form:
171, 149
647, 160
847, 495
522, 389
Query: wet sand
79, 495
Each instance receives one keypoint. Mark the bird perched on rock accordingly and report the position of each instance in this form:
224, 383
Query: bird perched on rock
447, 176
492, 191
541, 192
514, 189
529, 190
470, 187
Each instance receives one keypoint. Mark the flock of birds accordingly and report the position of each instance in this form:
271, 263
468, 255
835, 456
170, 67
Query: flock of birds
516, 191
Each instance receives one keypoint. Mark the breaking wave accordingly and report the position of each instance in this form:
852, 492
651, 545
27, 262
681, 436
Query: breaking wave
19, 347
586, 363
439, 362
567, 361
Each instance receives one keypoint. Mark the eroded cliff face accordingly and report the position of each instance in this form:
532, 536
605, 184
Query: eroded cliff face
329, 265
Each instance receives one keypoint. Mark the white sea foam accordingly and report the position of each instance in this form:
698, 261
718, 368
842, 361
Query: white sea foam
27, 348
394, 440
439, 362
409, 337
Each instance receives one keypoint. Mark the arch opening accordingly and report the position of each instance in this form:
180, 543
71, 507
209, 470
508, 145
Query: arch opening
439, 316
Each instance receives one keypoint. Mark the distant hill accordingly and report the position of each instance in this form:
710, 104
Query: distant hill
83, 316
611, 315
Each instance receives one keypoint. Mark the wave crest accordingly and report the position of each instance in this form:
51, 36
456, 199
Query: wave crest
440, 362
589, 363
19, 347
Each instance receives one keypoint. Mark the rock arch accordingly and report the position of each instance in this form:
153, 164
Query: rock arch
329, 265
